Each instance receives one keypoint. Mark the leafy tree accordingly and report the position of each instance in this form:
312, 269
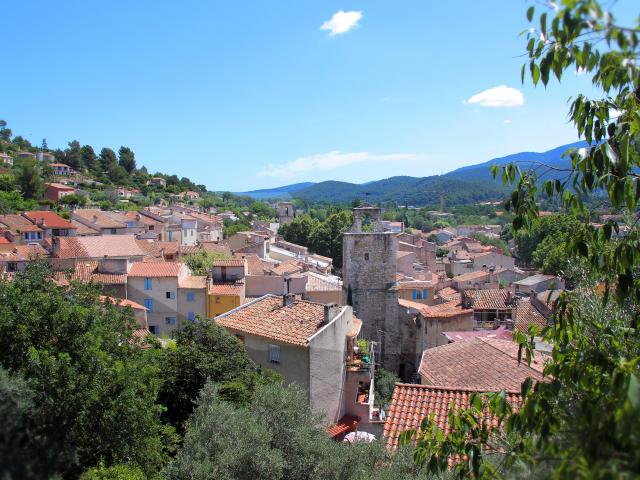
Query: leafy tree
7, 182
5, 133
107, 159
204, 350
585, 420
74, 200
21, 143
127, 159
122, 471
44, 147
117, 174
94, 389
89, 158
234, 228
73, 155
496, 242
29, 179
200, 263
385, 382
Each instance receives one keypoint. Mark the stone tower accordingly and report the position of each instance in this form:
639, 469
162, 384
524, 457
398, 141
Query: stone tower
369, 275
286, 212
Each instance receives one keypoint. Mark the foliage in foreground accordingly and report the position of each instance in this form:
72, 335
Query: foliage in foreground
275, 437
584, 422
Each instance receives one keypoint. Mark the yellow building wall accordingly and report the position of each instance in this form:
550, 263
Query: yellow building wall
219, 304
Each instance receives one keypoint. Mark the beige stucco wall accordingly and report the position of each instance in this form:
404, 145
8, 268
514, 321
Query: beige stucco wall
327, 356
198, 306
162, 307
324, 296
430, 335
259, 285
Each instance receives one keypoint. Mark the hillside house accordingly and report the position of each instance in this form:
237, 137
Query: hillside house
312, 345
57, 191
61, 169
51, 223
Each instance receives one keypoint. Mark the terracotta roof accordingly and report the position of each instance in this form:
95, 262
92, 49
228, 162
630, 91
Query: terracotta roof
286, 267
477, 275
16, 222
155, 269
99, 247
267, 318
122, 302
226, 288
97, 218
346, 424
448, 293
86, 272
234, 262
169, 248
194, 281
355, 330
60, 186
134, 217
443, 310
188, 249
51, 219
493, 299
410, 404
4, 241
526, 314
478, 363
216, 247
83, 230
23, 252
255, 266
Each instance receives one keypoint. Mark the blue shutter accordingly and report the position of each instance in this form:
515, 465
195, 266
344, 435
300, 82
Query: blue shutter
415, 295
148, 303
148, 283
424, 294
191, 316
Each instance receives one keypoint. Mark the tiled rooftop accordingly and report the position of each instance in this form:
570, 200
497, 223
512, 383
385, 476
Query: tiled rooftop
51, 219
493, 299
155, 269
486, 364
443, 310
410, 404
266, 317
226, 288
99, 247
526, 314
234, 262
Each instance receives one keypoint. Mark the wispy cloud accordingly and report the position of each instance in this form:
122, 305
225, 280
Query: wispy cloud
507, 121
501, 96
329, 161
341, 22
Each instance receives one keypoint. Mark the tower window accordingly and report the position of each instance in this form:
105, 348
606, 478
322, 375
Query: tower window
366, 256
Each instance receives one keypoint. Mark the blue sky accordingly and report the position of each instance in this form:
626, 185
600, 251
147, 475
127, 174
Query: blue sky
242, 95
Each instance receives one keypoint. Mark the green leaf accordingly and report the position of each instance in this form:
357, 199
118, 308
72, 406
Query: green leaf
530, 12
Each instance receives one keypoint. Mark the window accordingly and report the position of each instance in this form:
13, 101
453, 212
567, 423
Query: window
366, 256
152, 329
151, 227
240, 337
274, 353
424, 294
191, 316
113, 231
148, 304
170, 320
129, 224
12, 267
217, 299
148, 283
419, 294
414, 294
191, 297
171, 295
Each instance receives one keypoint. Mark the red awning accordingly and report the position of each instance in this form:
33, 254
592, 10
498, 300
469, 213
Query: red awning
346, 424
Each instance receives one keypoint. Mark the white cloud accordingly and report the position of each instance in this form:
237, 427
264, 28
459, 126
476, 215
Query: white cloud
507, 121
501, 96
342, 22
329, 161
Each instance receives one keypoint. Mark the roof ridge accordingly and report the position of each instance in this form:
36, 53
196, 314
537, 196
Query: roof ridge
450, 388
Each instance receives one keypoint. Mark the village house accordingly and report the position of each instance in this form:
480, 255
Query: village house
14, 258
158, 182
51, 223
6, 159
420, 291
60, 169
538, 283
226, 286
20, 230
155, 285
312, 345
192, 299
286, 212
99, 220
57, 191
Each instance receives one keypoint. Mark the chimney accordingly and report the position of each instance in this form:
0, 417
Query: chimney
288, 299
330, 311
95, 219
55, 241
138, 217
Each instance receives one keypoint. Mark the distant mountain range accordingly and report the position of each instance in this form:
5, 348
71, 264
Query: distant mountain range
470, 184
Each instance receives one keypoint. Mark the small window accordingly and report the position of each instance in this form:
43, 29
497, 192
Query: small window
113, 231
151, 227
274, 353
170, 320
148, 283
148, 304
191, 316
171, 295
240, 337
191, 297
366, 257
217, 299
153, 329
414, 294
